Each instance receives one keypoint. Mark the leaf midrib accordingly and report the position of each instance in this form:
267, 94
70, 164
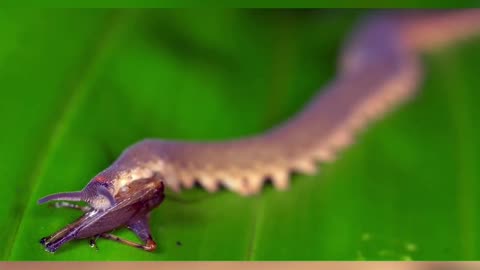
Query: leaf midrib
68, 109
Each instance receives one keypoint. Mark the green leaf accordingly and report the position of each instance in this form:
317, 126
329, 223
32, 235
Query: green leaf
82, 85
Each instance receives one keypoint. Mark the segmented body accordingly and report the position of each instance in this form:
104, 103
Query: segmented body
379, 69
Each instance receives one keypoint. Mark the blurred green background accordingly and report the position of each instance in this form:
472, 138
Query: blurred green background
78, 86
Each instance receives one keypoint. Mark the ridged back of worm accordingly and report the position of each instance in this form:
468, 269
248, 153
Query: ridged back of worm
379, 69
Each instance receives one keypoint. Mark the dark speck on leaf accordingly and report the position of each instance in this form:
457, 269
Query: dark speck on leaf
179, 243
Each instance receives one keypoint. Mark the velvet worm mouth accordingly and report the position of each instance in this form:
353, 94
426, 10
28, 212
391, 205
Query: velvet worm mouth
379, 69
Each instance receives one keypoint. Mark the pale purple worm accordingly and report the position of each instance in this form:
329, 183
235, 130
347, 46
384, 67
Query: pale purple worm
379, 68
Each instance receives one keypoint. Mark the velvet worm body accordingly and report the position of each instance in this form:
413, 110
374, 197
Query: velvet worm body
378, 69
